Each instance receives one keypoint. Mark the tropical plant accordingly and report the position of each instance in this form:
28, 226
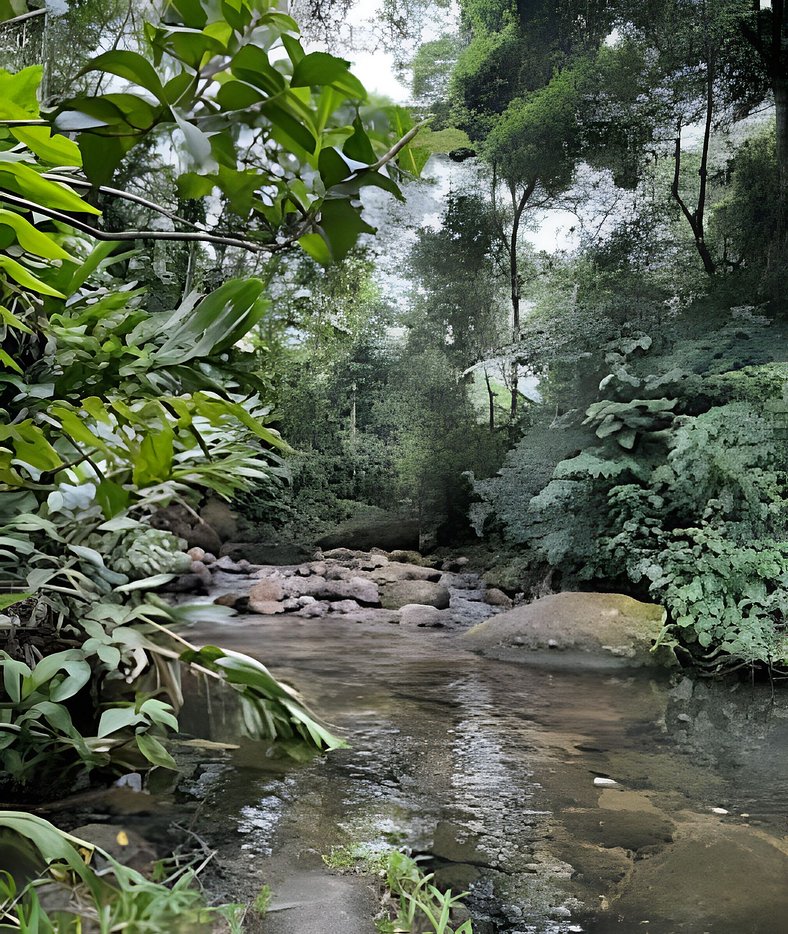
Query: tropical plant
421, 907
111, 410
108, 899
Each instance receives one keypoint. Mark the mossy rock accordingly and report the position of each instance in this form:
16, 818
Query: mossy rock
596, 630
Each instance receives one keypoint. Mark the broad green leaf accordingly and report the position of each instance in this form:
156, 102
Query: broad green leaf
237, 14
154, 752
318, 68
112, 498
118, 718
252, 65
294, 48
341, 224
9, 362
291, 128
316, 247
191, 12
27, 183
190, 46
148, 583
333, 168
238, 95
358, 146
159, 712
26, 278
11, 320
55, 149
72, 662
31, 445
30, 238
100, 253
20, 90
130, 65
154, 459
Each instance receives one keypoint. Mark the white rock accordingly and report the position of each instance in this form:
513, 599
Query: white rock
604, 782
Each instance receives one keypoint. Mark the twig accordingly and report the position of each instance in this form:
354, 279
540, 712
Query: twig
249, 245
125, 195
399, 146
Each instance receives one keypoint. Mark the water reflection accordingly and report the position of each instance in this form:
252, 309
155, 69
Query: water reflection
490, 768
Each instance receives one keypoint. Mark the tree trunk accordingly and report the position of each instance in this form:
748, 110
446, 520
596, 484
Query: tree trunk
491, 398
518, 206
780, 85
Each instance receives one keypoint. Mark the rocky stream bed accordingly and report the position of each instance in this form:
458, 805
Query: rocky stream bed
580, 792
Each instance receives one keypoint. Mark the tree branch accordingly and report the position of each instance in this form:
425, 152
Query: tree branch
125, 195
187, 235
399, 146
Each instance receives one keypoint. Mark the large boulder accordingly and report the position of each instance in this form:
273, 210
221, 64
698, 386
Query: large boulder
266, 552
390, 534
574, 629
401, 593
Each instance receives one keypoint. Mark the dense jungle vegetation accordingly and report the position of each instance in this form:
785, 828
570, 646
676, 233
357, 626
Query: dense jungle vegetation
210, 287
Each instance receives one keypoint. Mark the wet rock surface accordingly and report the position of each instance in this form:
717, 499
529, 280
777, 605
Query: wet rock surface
364, 586
571, 629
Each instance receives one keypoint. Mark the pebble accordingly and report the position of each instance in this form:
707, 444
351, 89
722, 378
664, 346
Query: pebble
607, 782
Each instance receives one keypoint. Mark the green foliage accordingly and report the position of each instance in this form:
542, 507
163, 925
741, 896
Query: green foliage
111, 409
689, 508
116, 897
536, 137
420, 905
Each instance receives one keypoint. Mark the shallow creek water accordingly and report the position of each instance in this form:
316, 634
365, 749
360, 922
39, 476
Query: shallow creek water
493, 769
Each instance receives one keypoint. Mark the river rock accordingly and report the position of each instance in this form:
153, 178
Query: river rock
196, 554
400, 593
420, 614
406, 557
709, 858
236, 601
369, 562
209, 558
266, 607
397, 571
268, 589
313, 610
344, 606
496, 597
342, 554
202, 535
217, 514
203, 573
355, 588
573, 629
174, 518
454, 564
230, 566
187, 583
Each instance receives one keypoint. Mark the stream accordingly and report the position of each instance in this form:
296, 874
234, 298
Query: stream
561, 800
